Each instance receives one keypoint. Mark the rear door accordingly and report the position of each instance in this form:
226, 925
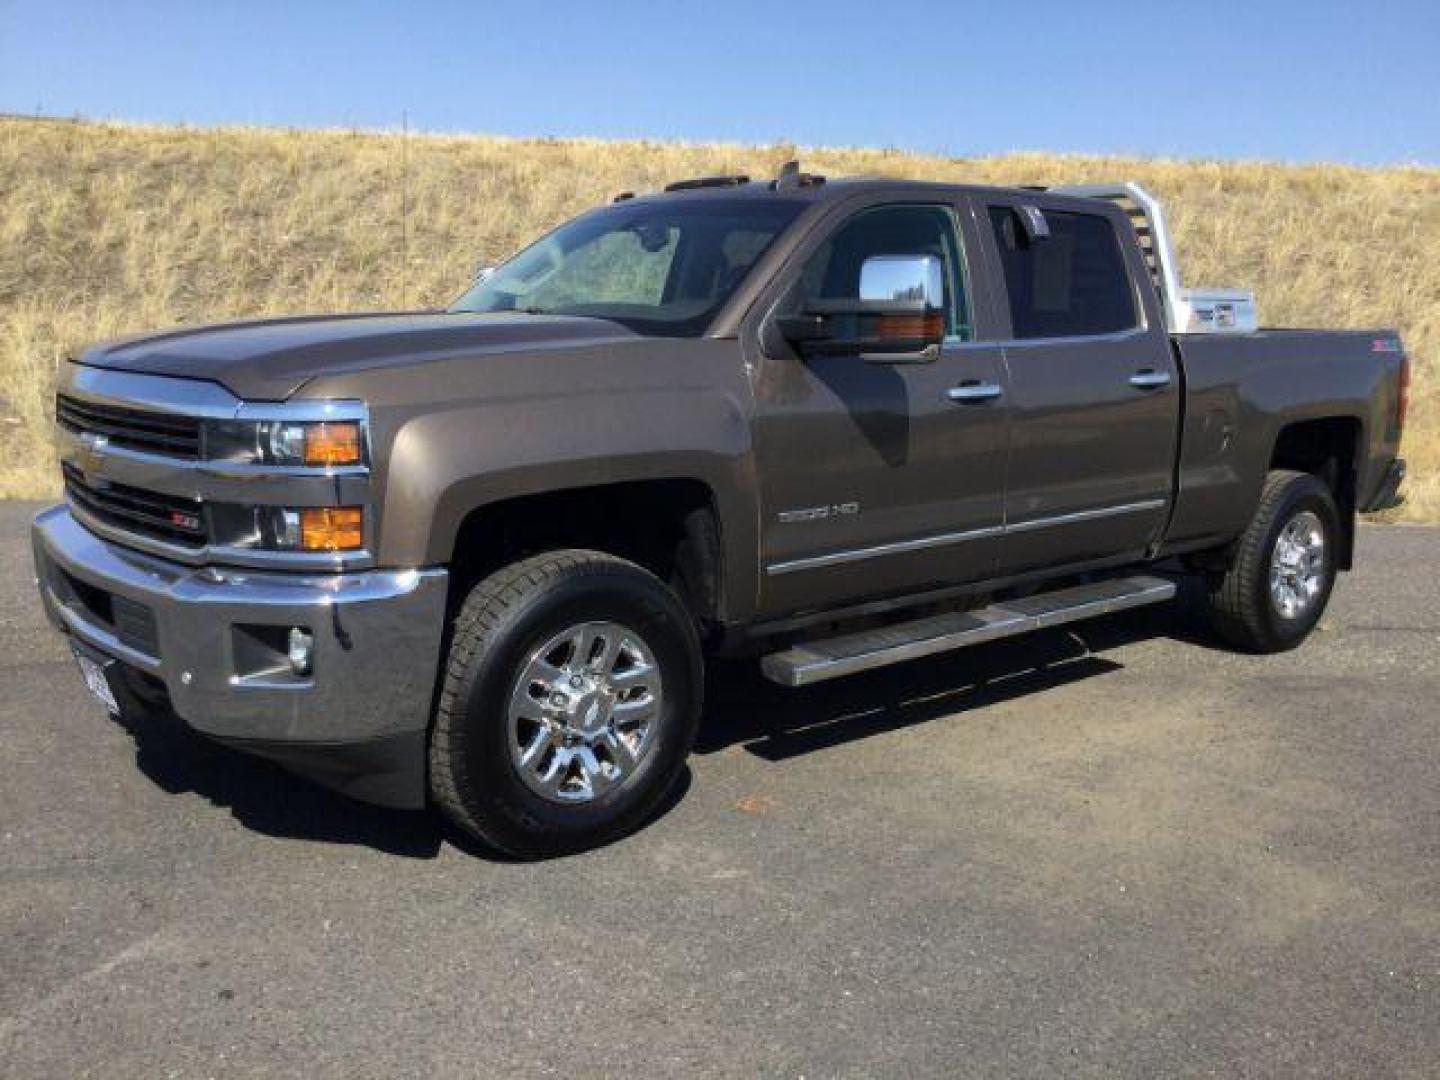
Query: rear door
1093, 387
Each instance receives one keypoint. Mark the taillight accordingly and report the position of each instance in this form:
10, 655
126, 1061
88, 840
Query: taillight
1403, 405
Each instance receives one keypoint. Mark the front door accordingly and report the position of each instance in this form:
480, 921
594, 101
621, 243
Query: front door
879, 476
1093, 388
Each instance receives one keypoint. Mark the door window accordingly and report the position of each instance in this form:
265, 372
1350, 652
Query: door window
1073, 283
833, 271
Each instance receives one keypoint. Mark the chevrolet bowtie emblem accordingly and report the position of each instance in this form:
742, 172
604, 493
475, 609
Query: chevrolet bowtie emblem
93, 446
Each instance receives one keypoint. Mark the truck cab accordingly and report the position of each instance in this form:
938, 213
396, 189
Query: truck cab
1038, 430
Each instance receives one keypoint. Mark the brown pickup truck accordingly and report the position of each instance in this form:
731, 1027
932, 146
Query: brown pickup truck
477, 557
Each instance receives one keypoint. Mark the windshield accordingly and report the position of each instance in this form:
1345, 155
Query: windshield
657, 267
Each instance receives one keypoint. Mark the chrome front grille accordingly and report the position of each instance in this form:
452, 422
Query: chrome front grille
135, 429
168, 518
145, 466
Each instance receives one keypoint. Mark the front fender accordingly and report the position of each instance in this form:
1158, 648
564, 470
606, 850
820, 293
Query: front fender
445, 464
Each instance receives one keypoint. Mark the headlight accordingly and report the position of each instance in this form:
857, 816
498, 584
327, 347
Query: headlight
324, 442
300, 476
313, 443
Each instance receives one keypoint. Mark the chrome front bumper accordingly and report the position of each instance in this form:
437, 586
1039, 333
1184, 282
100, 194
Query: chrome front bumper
209, 634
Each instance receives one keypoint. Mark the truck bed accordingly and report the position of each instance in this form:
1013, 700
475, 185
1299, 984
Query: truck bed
1242, 391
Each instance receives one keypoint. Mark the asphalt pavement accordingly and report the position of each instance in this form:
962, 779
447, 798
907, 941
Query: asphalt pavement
1116, 851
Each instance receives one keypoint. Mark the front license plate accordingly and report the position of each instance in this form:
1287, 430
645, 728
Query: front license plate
94, 674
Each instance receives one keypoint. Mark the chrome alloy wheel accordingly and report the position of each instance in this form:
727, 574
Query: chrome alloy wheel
584, 711
1297, 565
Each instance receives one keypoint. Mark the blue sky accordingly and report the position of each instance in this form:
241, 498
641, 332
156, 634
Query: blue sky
1281, 79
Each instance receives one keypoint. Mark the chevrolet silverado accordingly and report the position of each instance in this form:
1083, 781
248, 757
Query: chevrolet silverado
476, 558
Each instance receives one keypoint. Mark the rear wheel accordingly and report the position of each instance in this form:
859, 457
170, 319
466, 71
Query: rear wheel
571, 699
1283, 570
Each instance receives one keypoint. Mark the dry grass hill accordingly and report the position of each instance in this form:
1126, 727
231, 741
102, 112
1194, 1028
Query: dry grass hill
108, 228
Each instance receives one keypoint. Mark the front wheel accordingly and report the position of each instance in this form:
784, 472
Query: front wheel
1283, 569
571, 699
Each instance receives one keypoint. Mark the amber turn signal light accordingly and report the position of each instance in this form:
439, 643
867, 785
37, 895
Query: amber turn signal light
930, 325
331, 528
332, 443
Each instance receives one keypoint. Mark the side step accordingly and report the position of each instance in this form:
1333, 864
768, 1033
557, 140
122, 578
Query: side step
831, 658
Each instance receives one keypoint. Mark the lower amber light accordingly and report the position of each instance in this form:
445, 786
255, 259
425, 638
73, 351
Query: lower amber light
331, 528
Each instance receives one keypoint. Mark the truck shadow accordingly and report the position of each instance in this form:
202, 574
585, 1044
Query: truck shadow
264, 797
743, 709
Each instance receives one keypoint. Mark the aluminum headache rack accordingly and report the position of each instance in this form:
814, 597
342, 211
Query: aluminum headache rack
1187, 311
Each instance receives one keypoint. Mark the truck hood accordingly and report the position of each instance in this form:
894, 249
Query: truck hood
270, 359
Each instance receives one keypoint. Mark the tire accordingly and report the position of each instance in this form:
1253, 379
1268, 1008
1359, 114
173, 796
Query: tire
1244, 609
490, 711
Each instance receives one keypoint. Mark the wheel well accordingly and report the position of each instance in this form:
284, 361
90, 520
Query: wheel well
1328, 449
670, 527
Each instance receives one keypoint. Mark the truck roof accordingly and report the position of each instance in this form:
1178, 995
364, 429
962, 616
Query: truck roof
793, 185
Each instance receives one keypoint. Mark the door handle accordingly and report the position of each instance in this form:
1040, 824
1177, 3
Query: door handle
1150, 379
973, 391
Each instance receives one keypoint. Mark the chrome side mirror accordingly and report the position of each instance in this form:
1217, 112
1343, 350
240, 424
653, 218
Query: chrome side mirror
898, 318
914, 278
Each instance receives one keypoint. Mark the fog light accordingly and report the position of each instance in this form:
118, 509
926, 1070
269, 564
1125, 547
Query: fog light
301, 648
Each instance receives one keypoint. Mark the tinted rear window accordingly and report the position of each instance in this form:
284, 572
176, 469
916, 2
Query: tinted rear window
1074, 283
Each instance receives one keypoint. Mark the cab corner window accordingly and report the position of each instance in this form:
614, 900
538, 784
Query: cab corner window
1072, 283
833, 271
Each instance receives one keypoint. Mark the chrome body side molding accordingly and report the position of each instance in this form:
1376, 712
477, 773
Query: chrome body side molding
1079, 516
833, 558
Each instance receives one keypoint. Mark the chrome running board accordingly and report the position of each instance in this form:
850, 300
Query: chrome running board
830, 658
